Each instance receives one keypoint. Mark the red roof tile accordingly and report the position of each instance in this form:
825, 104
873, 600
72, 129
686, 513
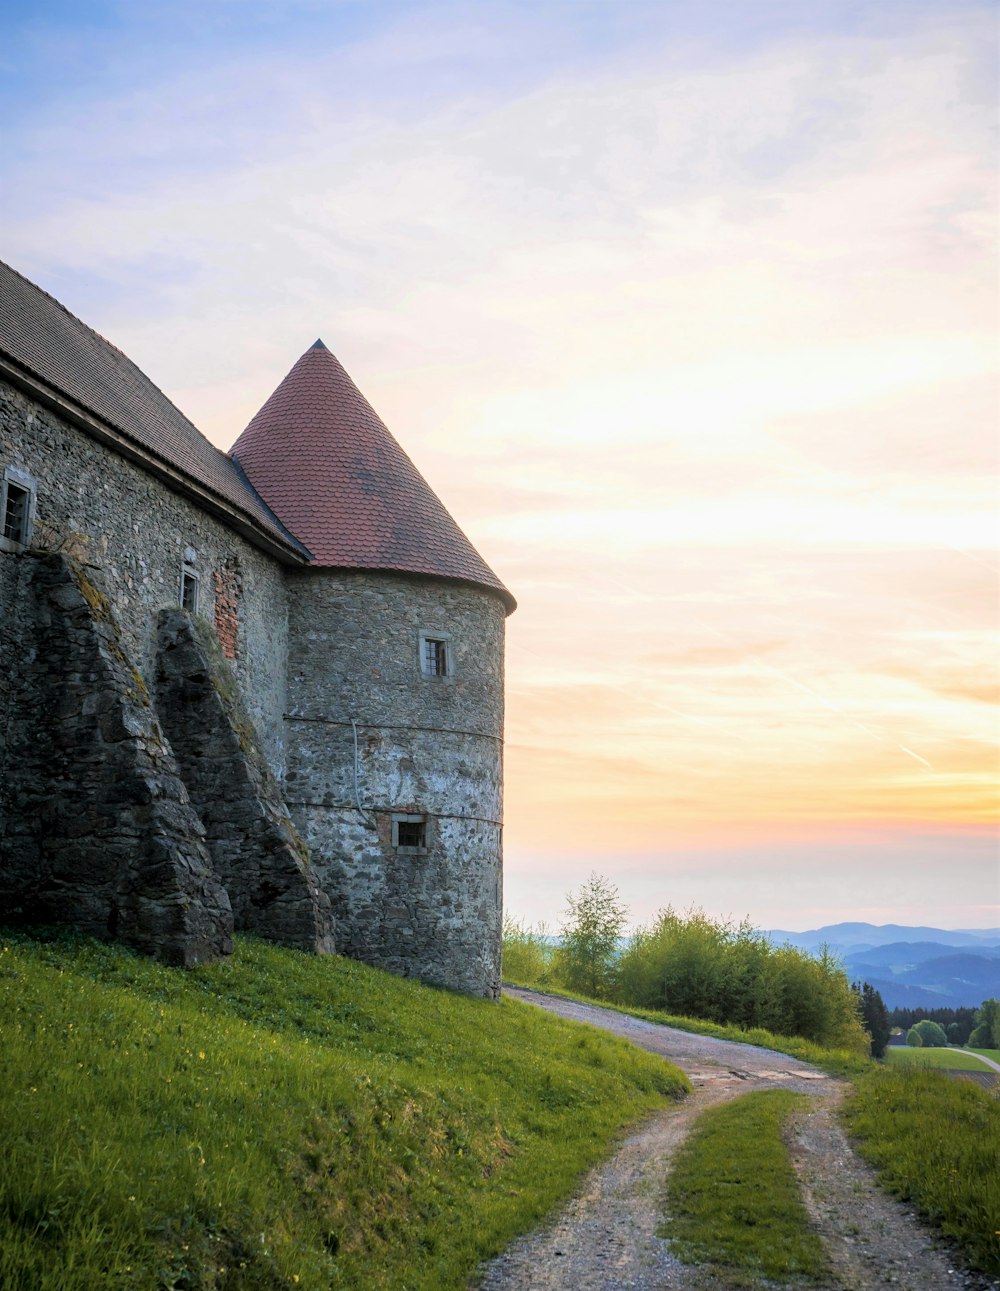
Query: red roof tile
324, 462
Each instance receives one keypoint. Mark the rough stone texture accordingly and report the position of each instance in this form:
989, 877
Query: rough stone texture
429, 746
96, 828
120, 518
254, 847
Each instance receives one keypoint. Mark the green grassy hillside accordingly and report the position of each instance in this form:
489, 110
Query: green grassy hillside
936, 1144
950, 1059
283, 1121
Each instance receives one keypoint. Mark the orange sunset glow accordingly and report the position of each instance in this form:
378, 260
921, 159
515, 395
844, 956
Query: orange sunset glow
690, 318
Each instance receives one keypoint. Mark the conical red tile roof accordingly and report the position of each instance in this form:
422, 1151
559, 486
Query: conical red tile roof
325, 463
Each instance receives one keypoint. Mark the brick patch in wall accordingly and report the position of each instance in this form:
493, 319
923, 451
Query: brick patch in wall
227, 582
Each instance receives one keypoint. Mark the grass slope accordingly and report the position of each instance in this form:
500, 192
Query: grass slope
936, 1143
733, 1199
279, 1120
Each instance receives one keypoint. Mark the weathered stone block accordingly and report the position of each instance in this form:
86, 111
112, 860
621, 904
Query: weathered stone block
105, 840
253, 844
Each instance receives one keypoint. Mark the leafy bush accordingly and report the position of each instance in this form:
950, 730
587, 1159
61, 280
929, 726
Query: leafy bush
958, 1023
931, 1035
527, 953
914, 1039
729, 973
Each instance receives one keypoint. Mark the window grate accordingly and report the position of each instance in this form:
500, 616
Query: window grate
435, 657
15, 513
411, 833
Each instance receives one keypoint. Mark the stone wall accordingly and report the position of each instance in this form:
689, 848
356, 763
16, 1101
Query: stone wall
118, 518
255, 850
427, 746
96, 829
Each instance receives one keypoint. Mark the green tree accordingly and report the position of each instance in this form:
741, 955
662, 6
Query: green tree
987, 1032
587, 957
914, 1039
874, 1016
931, 1034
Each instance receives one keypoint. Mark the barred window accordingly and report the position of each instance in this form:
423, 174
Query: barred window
434, 652
410, 833
435, 657
15, 513
17, 506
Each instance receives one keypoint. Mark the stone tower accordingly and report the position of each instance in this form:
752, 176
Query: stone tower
394, 722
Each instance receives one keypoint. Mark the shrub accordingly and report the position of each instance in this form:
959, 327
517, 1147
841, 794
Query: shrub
932, 1035
914, 1039
729, 973
527, 953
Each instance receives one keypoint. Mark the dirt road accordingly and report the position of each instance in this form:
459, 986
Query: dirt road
605, 1239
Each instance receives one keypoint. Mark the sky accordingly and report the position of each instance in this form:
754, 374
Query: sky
688, 312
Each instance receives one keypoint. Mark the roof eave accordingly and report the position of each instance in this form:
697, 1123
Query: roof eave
174, 478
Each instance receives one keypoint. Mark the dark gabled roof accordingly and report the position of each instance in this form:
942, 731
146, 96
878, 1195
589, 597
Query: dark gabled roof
43, 340
323, 460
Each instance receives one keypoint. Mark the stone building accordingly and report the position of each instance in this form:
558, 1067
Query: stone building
261, 690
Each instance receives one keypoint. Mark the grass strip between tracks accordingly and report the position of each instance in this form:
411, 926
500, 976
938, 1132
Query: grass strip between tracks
732, 1198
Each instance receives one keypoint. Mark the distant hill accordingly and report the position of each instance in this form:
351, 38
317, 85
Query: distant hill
898, 954
912, 967
856, 936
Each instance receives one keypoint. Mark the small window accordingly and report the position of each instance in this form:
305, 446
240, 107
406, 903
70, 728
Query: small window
15, 513
409, 833
435, 654
189, 590
435, 657
17, 507
412, 833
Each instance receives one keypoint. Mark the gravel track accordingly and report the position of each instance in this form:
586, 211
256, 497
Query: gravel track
605, 1238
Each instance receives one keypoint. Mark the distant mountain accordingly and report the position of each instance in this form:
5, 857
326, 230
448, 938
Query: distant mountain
951, 981
897, 954
912, 967
858, 936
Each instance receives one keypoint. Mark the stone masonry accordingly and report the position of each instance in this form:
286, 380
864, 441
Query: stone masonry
260, 690
428, 747
99, 831
254, 847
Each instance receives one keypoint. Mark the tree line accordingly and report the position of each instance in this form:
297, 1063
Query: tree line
957, 1024
985, 1033
690, 965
